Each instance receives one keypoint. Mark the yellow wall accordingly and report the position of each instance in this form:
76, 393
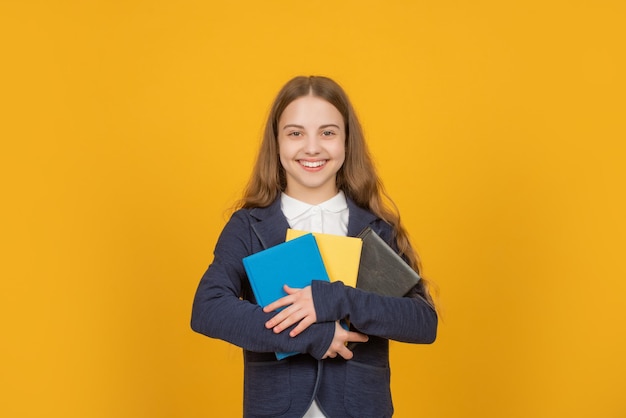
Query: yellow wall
128, 129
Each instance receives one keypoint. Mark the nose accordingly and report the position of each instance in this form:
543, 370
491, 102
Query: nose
312, 145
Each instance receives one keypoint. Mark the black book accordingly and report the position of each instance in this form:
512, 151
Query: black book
381, 269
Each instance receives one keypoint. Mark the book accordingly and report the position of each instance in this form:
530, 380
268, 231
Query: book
381, 269
295, 263
341, 255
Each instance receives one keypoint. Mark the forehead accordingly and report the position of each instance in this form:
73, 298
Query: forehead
310, 110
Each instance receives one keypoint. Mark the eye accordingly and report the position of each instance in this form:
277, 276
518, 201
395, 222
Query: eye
295, 134
328, 133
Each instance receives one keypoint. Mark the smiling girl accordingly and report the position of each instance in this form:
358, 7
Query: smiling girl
313, 173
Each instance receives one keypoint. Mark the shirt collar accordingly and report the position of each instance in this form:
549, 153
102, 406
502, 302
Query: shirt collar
335, 204
293, 208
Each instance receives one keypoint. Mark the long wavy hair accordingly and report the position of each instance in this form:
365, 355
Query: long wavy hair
357, 177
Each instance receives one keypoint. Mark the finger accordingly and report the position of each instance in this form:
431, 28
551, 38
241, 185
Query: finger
277, 304
304, 324
293, 315
345, 353
357, 337
279, 317
284, 301
291, 290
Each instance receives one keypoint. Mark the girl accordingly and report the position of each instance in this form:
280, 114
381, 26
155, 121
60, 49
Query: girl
313, 173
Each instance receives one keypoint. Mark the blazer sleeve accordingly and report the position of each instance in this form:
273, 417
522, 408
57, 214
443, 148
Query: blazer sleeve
219, 310
407, 319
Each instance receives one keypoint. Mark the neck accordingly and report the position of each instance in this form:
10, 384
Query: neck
312, 197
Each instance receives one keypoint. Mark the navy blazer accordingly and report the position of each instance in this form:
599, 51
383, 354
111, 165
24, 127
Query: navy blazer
224, 307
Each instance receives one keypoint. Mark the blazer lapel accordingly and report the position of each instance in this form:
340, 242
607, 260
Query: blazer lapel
271, 225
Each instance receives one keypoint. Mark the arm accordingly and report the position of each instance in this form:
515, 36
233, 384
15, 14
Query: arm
408, 319
219, 312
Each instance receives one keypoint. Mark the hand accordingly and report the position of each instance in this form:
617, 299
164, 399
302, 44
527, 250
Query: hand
341, 338
299, 309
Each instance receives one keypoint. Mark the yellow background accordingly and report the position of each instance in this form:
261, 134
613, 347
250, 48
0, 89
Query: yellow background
128, 130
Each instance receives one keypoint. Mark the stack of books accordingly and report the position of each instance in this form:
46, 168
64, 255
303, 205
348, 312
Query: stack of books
365, 262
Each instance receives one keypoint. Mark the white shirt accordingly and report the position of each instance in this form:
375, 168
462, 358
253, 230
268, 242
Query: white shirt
329, 217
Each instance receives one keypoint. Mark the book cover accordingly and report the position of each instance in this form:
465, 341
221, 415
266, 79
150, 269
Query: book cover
381, 269
341, 255
295, 263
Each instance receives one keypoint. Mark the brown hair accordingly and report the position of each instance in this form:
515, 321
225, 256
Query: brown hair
357, 177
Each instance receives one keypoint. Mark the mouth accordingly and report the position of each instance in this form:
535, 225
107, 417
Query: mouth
312, 164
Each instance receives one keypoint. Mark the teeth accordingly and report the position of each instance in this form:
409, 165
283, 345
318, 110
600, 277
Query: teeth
313, 164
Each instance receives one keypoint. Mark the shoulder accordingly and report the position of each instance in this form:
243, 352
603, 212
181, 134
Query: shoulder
255, 214
239, 218
236, 230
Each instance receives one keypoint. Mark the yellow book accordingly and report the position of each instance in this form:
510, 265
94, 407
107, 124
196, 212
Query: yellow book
341, 255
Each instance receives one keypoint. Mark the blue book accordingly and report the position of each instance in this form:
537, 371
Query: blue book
295, 263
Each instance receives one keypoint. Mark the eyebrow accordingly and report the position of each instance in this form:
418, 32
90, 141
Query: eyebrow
329, 125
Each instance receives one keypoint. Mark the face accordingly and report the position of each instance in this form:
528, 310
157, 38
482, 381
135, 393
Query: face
311, 142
